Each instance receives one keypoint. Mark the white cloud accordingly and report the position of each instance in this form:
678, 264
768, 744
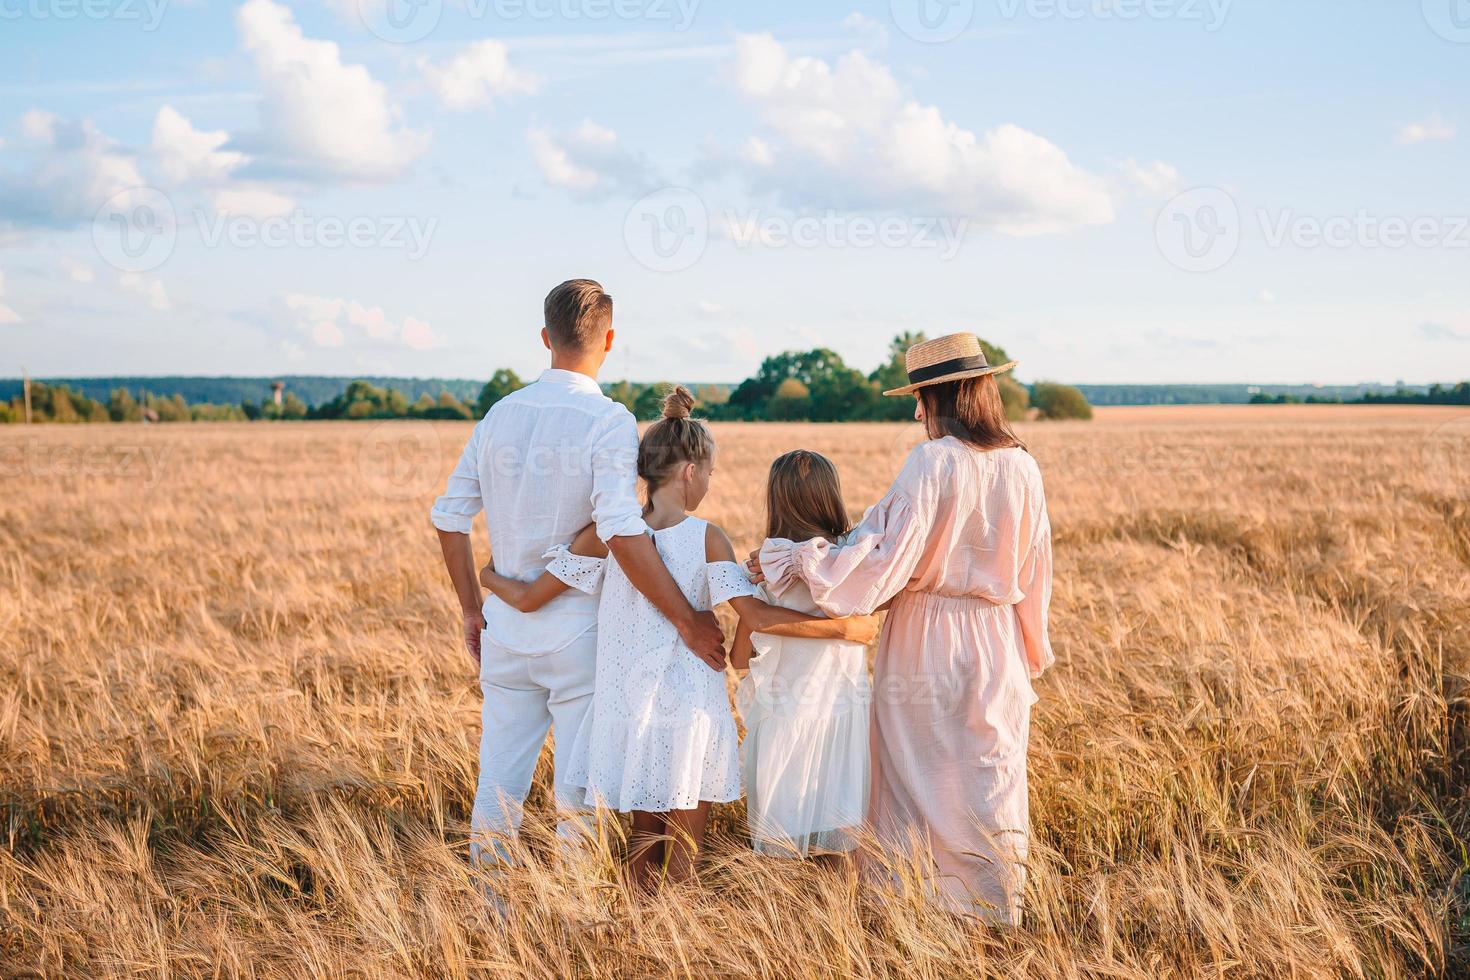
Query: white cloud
1435, 128
186, 155
1156, 179
249, 202
332, 322
68, 171
78, 272
320, 117
846, 136
589, 162
7, 315
1267, 296
477, 76
151, 290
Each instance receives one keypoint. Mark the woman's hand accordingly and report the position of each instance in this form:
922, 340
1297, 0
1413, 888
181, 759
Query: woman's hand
753, 568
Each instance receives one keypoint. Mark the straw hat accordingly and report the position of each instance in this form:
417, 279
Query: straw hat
952, 358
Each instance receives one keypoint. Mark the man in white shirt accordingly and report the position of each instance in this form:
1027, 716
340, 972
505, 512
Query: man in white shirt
544, 463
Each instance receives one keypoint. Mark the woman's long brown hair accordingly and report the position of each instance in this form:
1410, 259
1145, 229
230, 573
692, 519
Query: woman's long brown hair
804, 498
971, 411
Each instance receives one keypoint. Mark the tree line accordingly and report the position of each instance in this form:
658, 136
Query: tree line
1437, 394
815, 385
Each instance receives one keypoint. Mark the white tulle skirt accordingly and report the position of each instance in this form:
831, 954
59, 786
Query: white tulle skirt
805, 705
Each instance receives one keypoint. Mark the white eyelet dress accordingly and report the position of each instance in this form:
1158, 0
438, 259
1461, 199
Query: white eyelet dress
660, 735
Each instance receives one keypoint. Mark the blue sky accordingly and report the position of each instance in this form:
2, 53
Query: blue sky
1115, 190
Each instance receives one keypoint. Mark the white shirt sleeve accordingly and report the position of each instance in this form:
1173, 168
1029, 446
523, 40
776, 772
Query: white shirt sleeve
455, 511
615, 507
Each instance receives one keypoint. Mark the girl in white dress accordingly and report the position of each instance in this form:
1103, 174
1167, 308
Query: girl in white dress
660, 740
805, 702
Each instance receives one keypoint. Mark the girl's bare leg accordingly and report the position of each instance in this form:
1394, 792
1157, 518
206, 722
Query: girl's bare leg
686, 840
646, 849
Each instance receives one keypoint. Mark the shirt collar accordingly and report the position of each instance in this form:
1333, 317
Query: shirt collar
571, 379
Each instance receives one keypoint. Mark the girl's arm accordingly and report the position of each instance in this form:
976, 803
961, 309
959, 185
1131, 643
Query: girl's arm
758, 616
530, 596
742, 652
853, 629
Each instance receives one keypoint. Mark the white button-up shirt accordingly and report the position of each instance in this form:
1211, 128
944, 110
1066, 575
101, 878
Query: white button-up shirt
544, 463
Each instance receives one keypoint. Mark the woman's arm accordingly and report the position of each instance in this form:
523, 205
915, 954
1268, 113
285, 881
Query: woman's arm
757, 615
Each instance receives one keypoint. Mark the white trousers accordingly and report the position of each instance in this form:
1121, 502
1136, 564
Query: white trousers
524, 697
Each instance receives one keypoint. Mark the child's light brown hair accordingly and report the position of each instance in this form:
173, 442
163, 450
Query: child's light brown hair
673, 440
804, 498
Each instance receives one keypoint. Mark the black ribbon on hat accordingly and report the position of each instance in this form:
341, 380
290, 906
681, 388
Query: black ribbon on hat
955, 366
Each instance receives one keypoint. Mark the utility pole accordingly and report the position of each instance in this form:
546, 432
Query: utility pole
26, 383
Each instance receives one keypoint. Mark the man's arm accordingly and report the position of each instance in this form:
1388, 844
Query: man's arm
619, 519
453, 517
640, 561
459, 559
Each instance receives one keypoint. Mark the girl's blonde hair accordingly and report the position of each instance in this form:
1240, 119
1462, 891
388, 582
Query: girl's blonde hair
673, 440
804, 498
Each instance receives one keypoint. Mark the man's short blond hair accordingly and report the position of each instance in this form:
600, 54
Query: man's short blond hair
578, 314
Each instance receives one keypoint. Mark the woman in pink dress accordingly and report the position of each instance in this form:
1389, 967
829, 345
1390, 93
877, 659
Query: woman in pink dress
961, 548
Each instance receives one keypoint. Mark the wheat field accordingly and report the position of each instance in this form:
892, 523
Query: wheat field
238, 736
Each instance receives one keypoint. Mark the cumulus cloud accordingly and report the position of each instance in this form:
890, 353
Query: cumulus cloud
186, 155
319, 116
1434, 129
590, 162
1156, 179
151, 290
477, 76
844, 135
66, 171
329, 321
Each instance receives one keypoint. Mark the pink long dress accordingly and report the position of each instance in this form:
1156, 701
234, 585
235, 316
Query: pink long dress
962, 544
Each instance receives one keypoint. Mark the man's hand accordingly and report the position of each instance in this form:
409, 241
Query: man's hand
474, 625
702, 635
753, 567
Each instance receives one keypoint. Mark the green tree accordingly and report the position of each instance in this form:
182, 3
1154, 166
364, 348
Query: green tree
292, 408
649, 405
122, 407
1060, 401
791, 402
837, 391
502, 383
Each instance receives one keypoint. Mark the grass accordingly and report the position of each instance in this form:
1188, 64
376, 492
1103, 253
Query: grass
237, 737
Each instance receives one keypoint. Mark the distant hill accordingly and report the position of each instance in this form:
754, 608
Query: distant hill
317, 389
311, 389
1226, 394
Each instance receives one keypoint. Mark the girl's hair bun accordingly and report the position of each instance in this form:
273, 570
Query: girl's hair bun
678, 403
